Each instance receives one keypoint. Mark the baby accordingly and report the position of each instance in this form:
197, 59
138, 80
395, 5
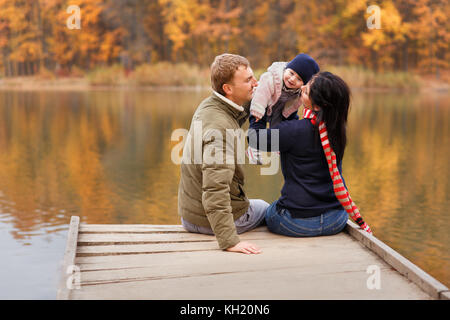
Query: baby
278, 95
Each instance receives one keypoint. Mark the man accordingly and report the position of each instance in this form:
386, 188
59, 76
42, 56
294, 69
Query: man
211, 198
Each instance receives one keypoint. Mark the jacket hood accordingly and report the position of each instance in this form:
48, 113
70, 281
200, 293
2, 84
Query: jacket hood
277, 69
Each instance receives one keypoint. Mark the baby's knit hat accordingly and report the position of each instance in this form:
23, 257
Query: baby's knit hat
305, 66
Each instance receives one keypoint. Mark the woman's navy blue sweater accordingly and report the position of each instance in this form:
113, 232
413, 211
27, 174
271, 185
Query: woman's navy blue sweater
308, 189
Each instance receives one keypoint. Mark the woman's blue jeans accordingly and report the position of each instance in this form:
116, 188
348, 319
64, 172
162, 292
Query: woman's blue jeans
281, 222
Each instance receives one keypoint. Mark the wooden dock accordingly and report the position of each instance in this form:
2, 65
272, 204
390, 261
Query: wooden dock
166, 262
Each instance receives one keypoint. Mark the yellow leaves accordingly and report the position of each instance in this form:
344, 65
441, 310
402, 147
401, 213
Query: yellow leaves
386, 40
27, 51
17, 33
182, 18
392, 28
354, 7
392, 21
195, 31
90, 45
91, 10
431, 31
261, 29
191, 23
108, 46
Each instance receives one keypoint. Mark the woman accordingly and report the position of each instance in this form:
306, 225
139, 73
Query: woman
314, 199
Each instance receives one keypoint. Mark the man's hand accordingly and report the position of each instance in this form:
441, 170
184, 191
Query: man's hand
244, 247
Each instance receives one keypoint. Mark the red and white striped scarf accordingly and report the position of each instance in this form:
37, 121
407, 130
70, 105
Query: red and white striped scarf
338, 185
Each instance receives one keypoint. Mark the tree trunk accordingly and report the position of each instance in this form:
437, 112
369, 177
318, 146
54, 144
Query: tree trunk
405, 55
374, 58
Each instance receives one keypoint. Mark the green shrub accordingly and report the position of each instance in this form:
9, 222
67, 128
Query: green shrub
107, 76
167, 74
359, 77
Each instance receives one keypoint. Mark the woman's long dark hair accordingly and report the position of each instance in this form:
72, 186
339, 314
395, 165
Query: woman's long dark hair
332, 95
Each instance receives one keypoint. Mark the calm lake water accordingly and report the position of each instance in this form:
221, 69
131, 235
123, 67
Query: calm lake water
106, 157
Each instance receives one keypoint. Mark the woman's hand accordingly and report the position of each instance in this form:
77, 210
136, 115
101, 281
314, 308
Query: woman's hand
366, 228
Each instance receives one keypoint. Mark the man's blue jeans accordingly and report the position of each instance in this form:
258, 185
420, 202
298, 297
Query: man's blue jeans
281, 222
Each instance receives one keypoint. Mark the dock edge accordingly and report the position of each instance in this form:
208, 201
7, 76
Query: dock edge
405, 267
68, 267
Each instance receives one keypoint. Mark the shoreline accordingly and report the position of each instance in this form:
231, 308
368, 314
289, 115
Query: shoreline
82, 84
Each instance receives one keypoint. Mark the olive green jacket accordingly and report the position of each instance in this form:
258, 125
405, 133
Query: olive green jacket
211, 193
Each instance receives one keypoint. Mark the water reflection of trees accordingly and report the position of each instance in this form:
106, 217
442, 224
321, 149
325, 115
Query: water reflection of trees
106, 157
101, 155
396, 167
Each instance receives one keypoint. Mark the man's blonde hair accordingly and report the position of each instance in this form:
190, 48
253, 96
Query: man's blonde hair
223, 69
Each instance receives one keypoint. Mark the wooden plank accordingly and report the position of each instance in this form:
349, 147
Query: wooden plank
166, 262
111, 228
273, 249
69, 259
99, 238
88, 239
444, 295
405, 267
272, 285
91, 263
124, 238
182, 264
141, 228
159, 273
339, 262
281, 242
194, 259
85, 251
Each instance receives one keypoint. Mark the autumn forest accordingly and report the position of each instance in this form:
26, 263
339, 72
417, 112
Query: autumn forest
34, 34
